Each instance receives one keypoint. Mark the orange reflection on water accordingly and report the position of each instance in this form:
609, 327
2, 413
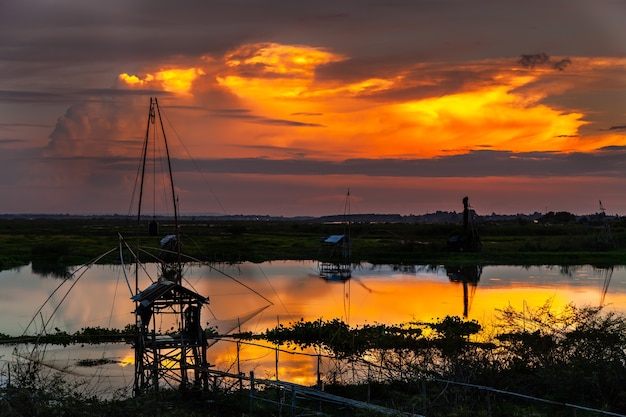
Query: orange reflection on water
389, 297
127, 360
284, 292
392, 296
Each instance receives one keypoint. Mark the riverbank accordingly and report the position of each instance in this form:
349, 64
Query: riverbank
50, 244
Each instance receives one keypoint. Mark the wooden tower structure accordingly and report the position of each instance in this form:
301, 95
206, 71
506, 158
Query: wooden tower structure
467, 239
334, 262
177, 357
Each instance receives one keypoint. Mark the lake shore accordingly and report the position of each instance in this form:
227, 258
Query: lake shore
56, 243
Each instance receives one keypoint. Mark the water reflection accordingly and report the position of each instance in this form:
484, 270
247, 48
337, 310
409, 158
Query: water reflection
607, 276
51, 270
468, 276
386, 294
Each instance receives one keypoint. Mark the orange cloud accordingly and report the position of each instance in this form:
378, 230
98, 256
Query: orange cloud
261, 74
498, 115
177, 80
281, 59
492, 116
287, 107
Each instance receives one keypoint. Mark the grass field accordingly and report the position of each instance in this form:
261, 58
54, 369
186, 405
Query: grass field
57, 243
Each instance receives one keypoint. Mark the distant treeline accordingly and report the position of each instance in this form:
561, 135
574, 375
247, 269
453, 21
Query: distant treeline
435, 217
52, 245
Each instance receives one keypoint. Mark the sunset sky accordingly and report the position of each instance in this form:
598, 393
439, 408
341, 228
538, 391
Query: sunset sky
280, 107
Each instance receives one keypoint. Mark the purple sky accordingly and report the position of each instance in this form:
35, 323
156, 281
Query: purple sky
282, 106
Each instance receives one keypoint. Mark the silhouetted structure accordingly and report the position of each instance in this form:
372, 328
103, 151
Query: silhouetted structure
466, 240
176, 357
336, 252
468, 275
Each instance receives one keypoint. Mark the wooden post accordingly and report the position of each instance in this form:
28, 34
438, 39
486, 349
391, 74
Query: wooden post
424, 398
319, 381
156, 360
293, 402
251, 390
319, 377
239, 363
369, 381
278, 390
276, 364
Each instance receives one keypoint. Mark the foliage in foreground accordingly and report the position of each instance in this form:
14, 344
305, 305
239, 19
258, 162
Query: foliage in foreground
445, 368
86, 335
575, 356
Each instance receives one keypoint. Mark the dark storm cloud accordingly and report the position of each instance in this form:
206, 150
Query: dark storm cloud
115, 30
43, 37
59, 42
25, 97
422, 79
76, 31
17, 125
542, 59
247, 115
8, 96
97, 127
562, 64
476, 164
439, 83
100, 125
532, 60
280, 122
235, 114
10, 141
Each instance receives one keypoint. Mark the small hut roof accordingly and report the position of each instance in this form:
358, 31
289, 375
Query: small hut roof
165, 290
334, 239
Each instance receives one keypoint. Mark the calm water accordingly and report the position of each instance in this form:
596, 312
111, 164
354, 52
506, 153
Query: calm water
254, 297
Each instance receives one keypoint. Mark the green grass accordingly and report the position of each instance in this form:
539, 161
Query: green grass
52, 243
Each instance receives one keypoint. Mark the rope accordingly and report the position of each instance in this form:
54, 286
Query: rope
195, 164
60, 285
528, 397
123, 266
274, 289
226, 275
